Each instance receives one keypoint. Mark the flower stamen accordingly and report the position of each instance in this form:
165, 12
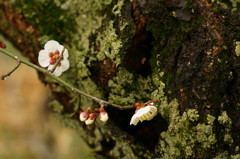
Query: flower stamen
54, 57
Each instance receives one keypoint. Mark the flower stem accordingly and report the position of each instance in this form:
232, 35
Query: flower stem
62, 82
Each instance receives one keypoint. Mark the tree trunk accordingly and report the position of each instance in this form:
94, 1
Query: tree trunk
183, 53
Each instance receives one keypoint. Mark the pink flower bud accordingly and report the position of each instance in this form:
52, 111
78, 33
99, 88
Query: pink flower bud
83, 116
91, 118
103, 115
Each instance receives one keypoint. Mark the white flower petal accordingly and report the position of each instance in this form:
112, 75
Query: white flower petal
52, 46
134, 120
60, 49
65, 53
145, 113
64, 65
43, 58
58, 70
141, 112
152, 112
50, 67
89, 121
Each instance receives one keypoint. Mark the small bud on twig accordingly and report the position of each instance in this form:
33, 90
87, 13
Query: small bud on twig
2, 45
91, 118
83, 116
103, 115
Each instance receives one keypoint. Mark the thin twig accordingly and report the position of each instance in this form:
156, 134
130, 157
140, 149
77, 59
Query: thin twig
64, 83
14, 69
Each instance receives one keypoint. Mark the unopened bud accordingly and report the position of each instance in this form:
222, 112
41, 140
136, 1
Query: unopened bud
83, 116
91, 118
2, 45
103, 115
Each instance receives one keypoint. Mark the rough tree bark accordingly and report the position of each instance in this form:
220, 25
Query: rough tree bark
181, 52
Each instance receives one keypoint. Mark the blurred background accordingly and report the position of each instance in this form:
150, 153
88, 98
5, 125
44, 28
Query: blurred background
27, 130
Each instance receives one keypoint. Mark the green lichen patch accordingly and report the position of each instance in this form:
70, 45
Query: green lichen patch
237, 49
187, 135
223, 155
185, 139
224, 120
235, 156
109, 44
128, 89
210, 119
232, 4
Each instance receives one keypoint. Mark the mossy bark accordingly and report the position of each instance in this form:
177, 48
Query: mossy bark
182, 53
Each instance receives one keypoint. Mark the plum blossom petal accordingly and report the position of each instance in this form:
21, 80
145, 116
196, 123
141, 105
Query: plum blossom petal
146, 113
57, 72
65, 65
65, 53
52, 46
134, 120
43, 58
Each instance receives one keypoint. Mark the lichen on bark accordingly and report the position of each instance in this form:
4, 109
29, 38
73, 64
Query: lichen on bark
181, 53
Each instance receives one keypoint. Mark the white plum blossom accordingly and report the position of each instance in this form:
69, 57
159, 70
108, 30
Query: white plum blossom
145, 113
49, 56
